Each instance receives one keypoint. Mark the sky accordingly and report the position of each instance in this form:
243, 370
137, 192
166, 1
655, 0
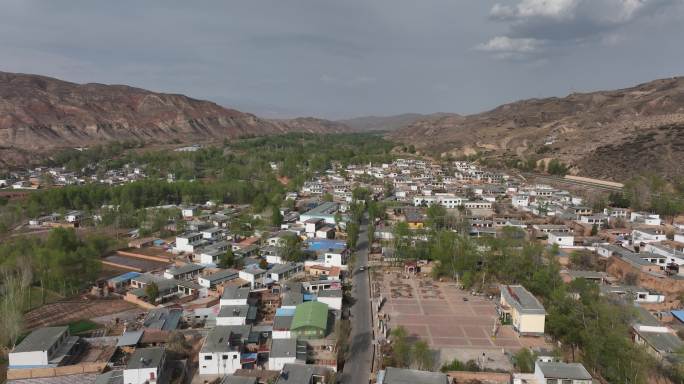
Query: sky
346, 58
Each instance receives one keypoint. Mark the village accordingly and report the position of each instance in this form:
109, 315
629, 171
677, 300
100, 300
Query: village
208, 304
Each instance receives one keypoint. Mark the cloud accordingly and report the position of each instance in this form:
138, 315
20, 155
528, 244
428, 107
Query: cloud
507, 44
568, 22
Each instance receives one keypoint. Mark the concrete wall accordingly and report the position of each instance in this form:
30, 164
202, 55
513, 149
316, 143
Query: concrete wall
484, 377
16, 374
277, 363
532, 324
32, 358
217, 365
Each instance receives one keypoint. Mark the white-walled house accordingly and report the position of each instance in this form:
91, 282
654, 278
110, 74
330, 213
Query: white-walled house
234, 296
553, 372
645, 218
253, 274
211, 280
220, 353
235, 314
285, 271
648, 235
336, 258
44, 347
145, 366
561, 239
331, 297
679, 237
189, 211
213, 234
283, 351
188, 241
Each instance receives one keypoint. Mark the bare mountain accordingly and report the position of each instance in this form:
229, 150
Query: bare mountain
39, 113
385, 123
611, 134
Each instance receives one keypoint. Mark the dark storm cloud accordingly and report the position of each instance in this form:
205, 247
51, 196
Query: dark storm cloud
334, 58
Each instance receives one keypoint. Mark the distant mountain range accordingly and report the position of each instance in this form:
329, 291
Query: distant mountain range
39, 113
386, 123
607, 134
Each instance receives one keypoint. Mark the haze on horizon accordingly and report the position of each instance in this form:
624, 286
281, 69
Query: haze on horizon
339, 59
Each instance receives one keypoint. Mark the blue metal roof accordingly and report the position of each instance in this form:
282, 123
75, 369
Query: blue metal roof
125, 277
678, 314
285, 312
323, 244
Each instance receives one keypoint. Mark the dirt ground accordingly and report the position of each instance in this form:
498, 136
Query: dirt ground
67, 311
451, 320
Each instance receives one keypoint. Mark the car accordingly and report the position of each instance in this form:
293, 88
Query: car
362, 269
465, 299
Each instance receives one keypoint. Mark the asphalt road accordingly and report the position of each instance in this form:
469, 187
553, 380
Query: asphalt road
358, 365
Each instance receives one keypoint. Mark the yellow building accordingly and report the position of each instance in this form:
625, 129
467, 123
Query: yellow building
519, 307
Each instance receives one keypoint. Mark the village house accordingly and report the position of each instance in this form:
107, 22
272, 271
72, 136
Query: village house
519, 307
145, 366
552, 372
220, 353
44, 347
391, 375
217, 278
283, 351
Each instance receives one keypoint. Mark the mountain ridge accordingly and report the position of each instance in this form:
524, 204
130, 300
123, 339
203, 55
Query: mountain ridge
41, 113
635, 129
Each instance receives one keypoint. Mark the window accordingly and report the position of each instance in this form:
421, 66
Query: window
208, 357
567, 381
551, 381
224, 357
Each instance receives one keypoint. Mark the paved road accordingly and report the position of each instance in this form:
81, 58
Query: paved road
358, 365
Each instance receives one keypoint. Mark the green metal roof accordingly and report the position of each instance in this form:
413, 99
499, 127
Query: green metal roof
310, 314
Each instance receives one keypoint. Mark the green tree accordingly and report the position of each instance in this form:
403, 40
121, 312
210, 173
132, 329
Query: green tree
422, 356
227, 260
401, 349
352, 235
371, 234
276, 217
594, 230
524, 360
152, 292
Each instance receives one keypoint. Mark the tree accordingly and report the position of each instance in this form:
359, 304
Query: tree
276, 217
152, 292
291, 249
327, 197
437, 215
594, 230
422, 356
227, 260
555, 167
352, 235
524, 360
401, 350
263, 264
371, 233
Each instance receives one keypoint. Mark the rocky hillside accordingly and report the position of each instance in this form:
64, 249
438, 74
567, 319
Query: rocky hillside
39, 113
610, 134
